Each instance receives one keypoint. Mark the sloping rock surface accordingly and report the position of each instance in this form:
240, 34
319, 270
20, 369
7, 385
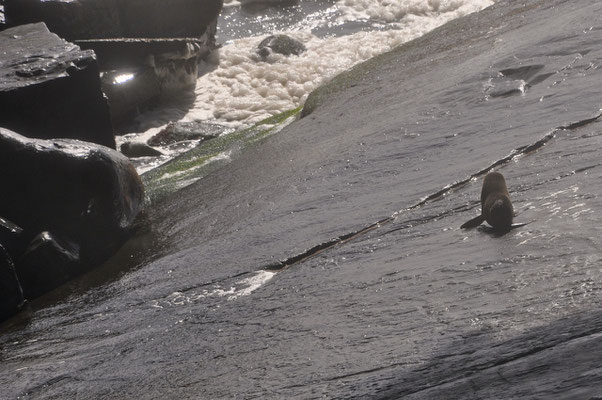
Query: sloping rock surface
397, 301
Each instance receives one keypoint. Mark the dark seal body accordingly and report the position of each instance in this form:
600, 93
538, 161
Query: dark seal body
496, 207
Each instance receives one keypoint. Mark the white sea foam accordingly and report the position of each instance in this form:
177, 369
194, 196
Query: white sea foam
241, 89
388, 11
231, 3
238, 89
242, 287
248, 285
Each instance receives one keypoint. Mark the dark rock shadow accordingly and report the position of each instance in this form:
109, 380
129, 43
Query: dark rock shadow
558, 360
141, 248
171, 106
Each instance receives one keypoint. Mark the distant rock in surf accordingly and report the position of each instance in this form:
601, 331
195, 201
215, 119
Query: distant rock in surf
280, 44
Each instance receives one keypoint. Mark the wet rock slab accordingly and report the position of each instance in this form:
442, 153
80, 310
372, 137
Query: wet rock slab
50, 88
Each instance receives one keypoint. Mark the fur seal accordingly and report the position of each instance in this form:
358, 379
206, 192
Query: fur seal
496, 207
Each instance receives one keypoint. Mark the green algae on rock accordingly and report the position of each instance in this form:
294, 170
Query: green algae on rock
210, 155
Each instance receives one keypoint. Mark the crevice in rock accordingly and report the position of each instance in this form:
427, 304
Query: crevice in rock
518, 152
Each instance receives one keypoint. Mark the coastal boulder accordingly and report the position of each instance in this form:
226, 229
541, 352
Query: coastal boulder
50, 88
11, 295
81, 192
280, 44
97, 19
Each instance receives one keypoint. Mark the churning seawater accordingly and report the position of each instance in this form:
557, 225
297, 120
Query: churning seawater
236, 88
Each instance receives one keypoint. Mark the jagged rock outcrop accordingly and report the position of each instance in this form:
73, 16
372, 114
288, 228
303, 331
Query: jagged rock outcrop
50, 88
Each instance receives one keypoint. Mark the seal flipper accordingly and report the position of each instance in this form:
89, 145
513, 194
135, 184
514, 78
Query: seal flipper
473, 222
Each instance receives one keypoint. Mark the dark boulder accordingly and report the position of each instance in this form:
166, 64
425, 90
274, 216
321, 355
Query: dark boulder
137, 149
280, 44
49, 88
180, 131
11, 295
47, 263
97, 19
79, 191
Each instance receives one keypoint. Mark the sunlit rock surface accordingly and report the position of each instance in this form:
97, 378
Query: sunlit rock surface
49, 88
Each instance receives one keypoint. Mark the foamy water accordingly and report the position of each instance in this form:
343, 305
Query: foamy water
400, 12
242, 89
239, 288
238, 88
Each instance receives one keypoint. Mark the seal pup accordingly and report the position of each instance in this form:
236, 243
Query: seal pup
496, 207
